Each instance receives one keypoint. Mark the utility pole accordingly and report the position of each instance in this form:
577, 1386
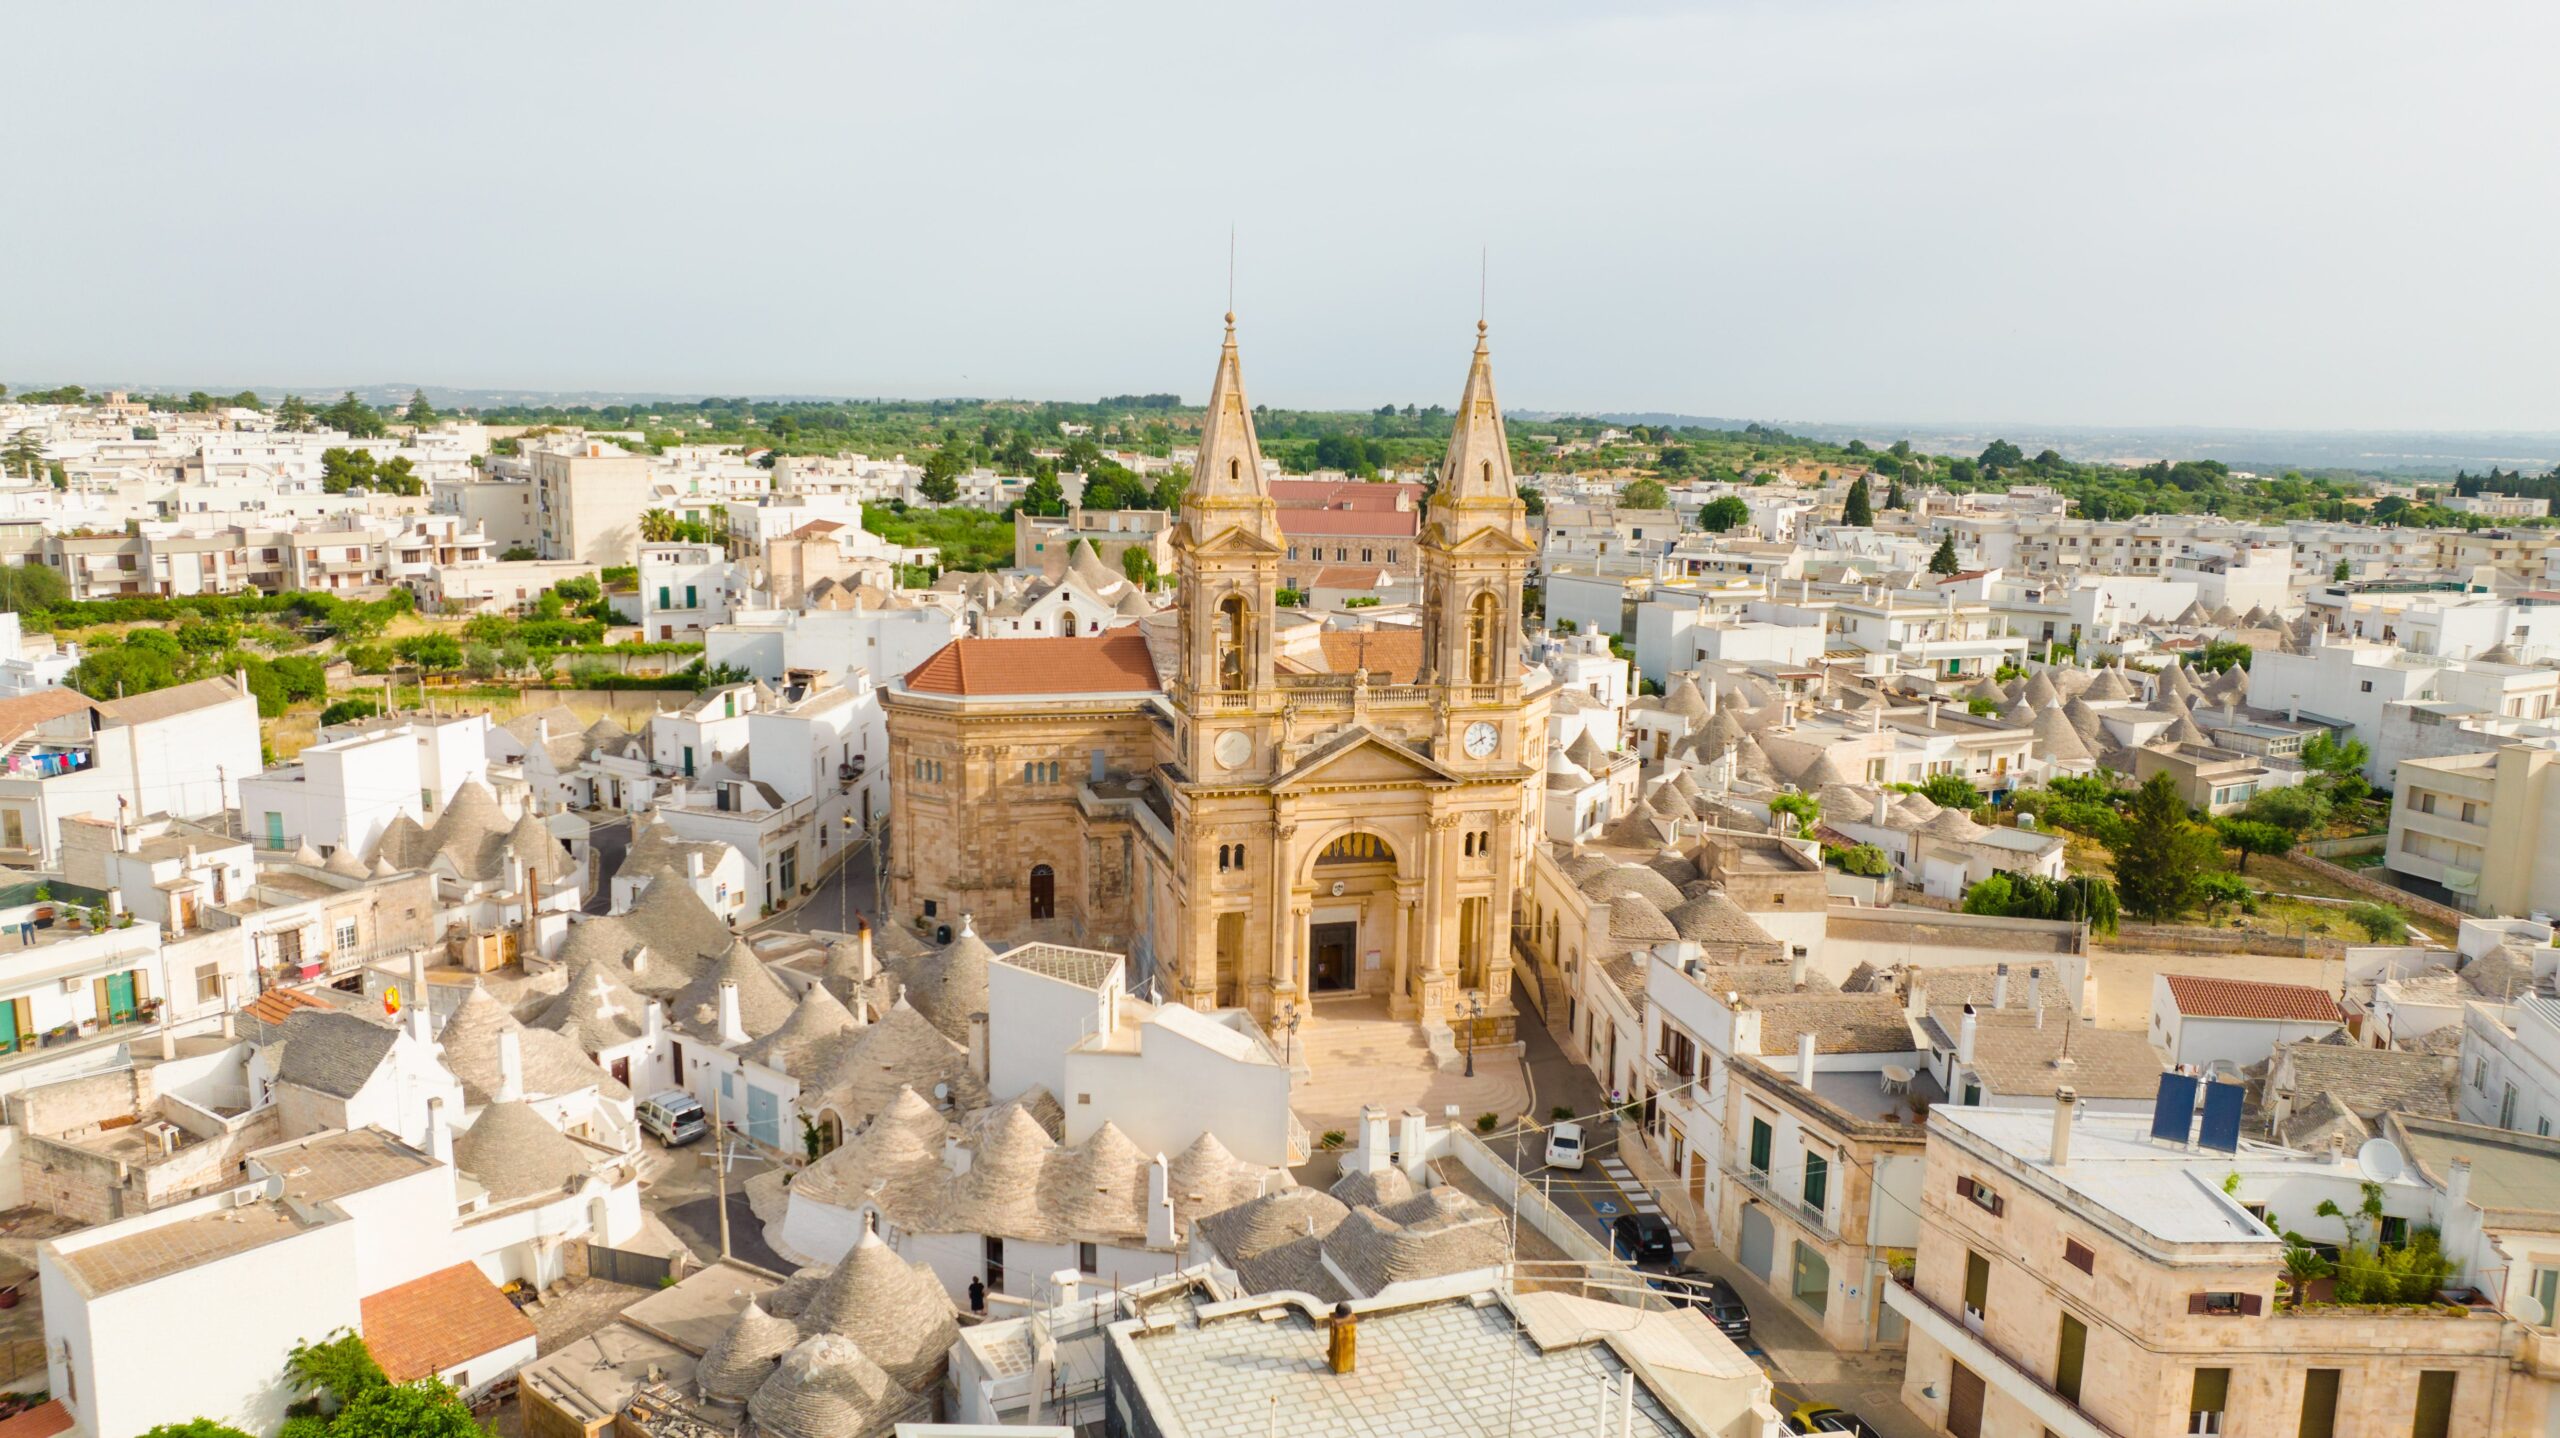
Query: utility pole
720, 1169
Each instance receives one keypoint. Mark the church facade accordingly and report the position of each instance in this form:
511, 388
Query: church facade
1260, 825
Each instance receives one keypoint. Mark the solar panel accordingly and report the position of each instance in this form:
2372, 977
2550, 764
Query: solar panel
2173, 1108
2221, 1131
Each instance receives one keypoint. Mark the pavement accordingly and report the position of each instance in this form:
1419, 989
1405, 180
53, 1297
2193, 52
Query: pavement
1801, 1365
844, 892
681, 1189
607, 841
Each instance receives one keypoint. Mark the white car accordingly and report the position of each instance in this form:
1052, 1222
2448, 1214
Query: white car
1564, 1146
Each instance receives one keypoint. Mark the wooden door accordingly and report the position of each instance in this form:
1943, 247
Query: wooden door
1698, 1185
1044, 891
1964, 1403
1332, 968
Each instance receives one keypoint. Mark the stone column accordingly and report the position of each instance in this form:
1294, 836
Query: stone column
1294, 944
1408, 944
1288, 926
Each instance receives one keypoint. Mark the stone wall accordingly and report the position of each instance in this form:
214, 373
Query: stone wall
2381, 892
82, 1103
2196, 939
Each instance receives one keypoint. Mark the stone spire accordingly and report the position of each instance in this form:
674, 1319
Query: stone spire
1478, 465
1229, 470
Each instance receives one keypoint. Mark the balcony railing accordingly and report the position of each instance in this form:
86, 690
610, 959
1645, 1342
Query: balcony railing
1790, 1204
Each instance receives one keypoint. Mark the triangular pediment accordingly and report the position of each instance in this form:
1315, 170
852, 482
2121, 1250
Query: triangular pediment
1488, 539
1361, 756
1231, 540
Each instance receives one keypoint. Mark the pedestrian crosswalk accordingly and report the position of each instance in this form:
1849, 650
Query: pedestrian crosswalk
1639, 1197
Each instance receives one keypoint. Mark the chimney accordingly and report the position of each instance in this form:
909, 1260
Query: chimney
2065, 1101
2457, 1183
2035, 982
733, 1030
1373, 1139
1964, 1037
1804, 1061
1411, 1127
2000, 987
541, 731
1711, 699
230, 1011
1159, 1205
978, 1046
1933, 713
2293, 711
510, 1066
869, 966
439, 1137
693, 863
1881, 818
420, 1020
1795, 970
1066, 1281
1342, 1342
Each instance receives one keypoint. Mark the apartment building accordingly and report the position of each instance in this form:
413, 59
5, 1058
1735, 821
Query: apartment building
588, 501
182, 751
2481, 828
2079, 1276
1948, 639
1045, 543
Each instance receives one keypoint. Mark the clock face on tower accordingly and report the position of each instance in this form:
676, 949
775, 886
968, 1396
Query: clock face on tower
1482, 739
1233, 749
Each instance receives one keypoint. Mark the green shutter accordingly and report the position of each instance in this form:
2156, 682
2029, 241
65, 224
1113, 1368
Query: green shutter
1817, 1181
1760, 1137
2435, 1405
2211, 1393
2073, 1350
1977, 1283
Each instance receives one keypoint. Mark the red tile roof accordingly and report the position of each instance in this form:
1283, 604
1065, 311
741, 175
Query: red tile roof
1353, 576
427, 1325
21, 715
1112, 663
1392, 656
1373, 523
2199, 997
1354, 494
814, 529
276, 1005
42, 1421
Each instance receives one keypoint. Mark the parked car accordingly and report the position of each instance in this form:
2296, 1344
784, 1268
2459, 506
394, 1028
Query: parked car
1643, 1239
675, 1116
1696, 1288
1564, 1146
1823, 1418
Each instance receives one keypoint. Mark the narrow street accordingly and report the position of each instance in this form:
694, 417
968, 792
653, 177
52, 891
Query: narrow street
1800, 1364
842, 896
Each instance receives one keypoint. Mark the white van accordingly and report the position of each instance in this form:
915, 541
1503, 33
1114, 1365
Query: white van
674, 1116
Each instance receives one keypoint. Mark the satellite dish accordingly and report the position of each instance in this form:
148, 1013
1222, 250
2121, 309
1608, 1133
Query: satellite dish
2380, 1161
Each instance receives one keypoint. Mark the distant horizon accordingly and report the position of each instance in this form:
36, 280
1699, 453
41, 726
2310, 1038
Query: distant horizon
2208, 214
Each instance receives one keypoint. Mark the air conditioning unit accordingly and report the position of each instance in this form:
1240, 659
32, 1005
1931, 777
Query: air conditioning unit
74, 985
243, 1197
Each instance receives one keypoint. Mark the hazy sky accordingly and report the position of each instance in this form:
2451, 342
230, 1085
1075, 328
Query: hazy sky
2313, 215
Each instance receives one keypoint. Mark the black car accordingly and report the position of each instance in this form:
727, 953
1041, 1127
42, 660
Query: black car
1643, 1239
1696, 1288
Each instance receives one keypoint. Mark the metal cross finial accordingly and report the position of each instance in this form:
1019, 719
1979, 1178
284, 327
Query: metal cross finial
1231, 275
1484, 270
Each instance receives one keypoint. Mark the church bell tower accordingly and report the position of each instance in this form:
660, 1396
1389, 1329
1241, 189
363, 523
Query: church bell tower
1227, 547
1476, 553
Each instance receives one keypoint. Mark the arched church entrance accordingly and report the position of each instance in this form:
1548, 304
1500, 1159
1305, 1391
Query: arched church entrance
1355, 916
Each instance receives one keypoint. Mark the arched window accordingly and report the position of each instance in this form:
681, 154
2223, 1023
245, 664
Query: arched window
1067, 623
1044, 892
1235, 469
1488, 473
1484, 621
1234, 635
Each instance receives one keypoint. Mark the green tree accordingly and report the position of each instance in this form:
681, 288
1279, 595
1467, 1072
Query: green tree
1043, 497
1139, 566
2249, 836
430, 651
348, 711
1805, 809
658, 526
942, 471
2381, 922
336, 1371
427, 1408
2161, 854
353, 417
1859, 510
517, 553
1719, 515
294, 414
1893, 495
2296, 808
419, 413
1533, 499
194, 1428
343, 469
1951, 791
1644, 494
2217, 890
1945, 561
2343, 572
2001, 454
31, 586
23, 455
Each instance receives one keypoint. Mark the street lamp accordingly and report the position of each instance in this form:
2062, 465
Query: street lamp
1289, 1024
1474, 1012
